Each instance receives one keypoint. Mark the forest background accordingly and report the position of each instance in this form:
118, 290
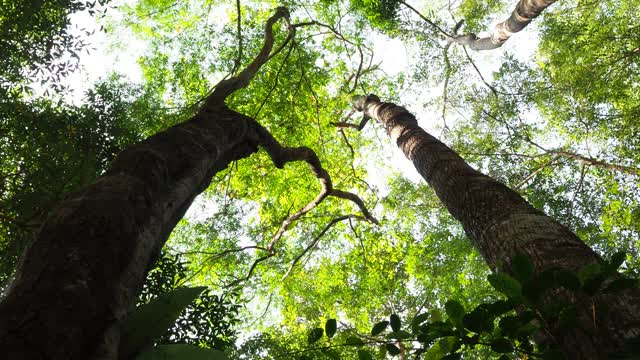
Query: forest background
554, 117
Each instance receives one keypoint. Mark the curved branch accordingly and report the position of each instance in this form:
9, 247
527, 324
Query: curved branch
226, 87
280, 155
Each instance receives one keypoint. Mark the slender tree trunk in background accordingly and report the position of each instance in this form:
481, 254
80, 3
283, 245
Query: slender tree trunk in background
84, 271
522, 15
500, 223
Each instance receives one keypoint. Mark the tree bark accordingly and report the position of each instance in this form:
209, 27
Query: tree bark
81, 275
522, 15
500, 223
83, 272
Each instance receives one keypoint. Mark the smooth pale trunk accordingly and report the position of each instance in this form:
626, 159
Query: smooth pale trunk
83, 272
522, 15
501, 223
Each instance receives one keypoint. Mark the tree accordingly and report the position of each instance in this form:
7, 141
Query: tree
91, 255
500, 223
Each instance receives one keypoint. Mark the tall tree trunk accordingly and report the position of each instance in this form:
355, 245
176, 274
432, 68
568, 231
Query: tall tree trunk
500, 223
81, 275
83, 272
522, 15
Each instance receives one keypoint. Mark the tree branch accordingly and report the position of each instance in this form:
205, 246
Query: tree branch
227, 86
522, 15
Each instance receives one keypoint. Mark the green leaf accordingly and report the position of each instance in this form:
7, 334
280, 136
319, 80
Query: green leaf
181, 352
621, 284
395, 322
417, 321
501, 345
331, 353
400, 335
506, 285
522, 268
590, 271
315, 335
567, 279
148, 322
455, 310
379, 327
330, 327
392, 349
479, 320
616, 260
354, 341
500, 307
364, 355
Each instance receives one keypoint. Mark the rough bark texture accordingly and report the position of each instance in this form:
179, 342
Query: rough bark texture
522, 15
82, 274
501, 223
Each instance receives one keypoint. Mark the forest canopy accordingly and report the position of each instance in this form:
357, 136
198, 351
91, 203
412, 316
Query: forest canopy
309, 256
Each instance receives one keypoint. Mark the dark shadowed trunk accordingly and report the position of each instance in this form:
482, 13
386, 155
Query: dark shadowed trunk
522, 15
500, 223
81, 275
84, 271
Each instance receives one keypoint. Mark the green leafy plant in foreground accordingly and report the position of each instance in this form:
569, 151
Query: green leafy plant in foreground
506, 327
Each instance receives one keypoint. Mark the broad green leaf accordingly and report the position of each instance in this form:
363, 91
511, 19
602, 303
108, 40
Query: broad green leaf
616, 260
392, 349
522, 268
590, 271
567, 279
505, 284
479, 320
455, 310
331, 353
417, 321
315, 335
399, 335
181, 352
354, 341
395, 322
149, 321
330, 327
364, 355
379, 327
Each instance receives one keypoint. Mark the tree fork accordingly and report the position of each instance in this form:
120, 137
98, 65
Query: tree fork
500, 223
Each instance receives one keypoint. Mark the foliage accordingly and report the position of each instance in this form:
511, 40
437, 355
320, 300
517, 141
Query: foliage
35, 40
201, 318
505, 326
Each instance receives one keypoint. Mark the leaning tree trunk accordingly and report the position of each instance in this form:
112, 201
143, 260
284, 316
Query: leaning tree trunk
522, 15
83, 272
81, 275
500, 223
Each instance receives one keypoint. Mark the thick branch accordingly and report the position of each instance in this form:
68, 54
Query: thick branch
522, 15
